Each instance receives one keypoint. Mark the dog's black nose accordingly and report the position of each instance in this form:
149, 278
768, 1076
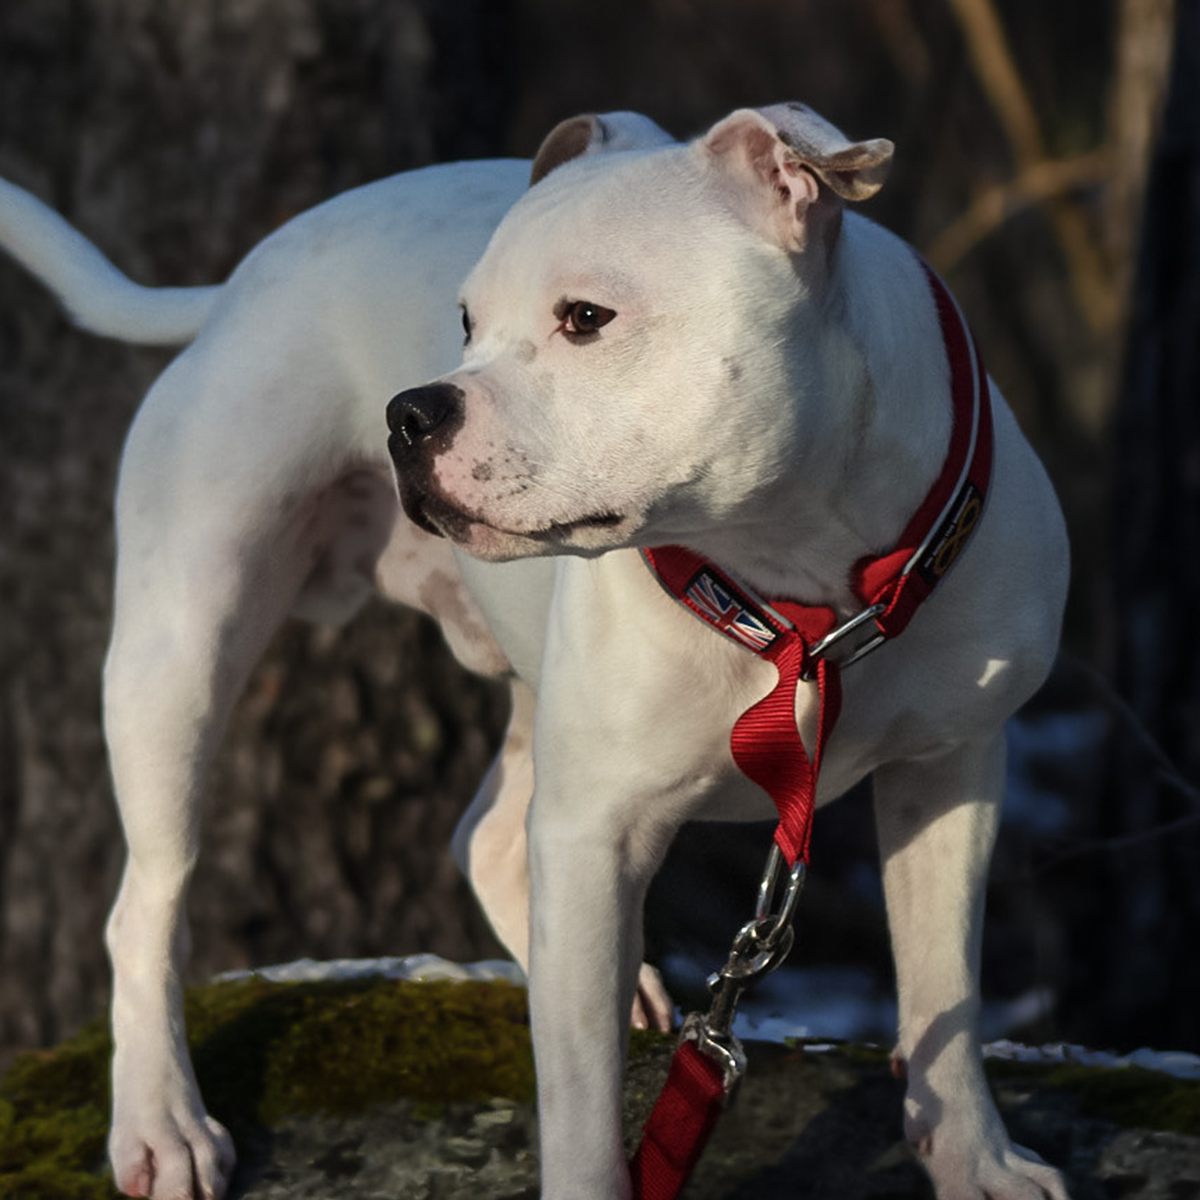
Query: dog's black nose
416, 415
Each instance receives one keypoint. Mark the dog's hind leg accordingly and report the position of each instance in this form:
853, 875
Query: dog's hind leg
489, 844
170, 680
223, 523
937, 822
179, 654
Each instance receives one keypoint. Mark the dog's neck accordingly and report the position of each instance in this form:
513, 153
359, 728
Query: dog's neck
880, 355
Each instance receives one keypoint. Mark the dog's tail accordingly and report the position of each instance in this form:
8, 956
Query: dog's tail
97, 296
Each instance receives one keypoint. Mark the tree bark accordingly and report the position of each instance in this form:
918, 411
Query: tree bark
176, 135
1145, 976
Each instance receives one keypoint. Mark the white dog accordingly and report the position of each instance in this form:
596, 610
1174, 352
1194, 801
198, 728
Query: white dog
667, 344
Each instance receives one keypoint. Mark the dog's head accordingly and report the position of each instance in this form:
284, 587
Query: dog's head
637, 337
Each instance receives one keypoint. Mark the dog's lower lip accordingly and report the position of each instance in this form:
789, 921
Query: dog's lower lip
436, 516
556, 529
559, 529
603, 520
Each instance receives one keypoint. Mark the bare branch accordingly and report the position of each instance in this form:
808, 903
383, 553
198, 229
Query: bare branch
997, 70
1091, 280
1038, 183
1165, 771
1168, 772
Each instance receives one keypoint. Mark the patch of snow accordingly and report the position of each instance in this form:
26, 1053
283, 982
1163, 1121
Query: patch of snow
412, 967
840, 1002
1171, 1062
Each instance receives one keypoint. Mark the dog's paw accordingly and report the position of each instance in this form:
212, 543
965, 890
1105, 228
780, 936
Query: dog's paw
178, 1160
1002, 1172
652, 1006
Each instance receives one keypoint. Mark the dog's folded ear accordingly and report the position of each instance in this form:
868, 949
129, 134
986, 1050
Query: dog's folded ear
794, 163
592, 134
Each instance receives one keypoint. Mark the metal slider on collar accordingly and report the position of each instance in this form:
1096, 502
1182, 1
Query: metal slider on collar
840, 647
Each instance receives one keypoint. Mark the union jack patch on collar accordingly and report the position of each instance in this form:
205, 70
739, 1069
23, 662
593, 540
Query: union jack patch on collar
714, 599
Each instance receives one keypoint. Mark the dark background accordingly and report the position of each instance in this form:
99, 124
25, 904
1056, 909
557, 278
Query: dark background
177, 133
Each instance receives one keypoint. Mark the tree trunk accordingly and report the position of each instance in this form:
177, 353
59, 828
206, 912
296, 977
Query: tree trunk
176, 135
1150, 986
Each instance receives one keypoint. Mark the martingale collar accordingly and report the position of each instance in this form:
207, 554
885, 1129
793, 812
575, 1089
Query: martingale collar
806, 642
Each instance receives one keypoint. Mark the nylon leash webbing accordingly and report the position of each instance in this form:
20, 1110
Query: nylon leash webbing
765, 742
804, 643
679, 1125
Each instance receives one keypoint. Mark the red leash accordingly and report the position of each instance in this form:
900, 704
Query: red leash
679, 1126
805, 643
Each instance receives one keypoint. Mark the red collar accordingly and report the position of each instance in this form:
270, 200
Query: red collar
805, 641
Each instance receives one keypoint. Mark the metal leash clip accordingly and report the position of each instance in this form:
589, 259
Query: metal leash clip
758, 948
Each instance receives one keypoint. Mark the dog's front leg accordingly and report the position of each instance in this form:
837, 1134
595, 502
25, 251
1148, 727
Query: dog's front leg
937, 822
628, 744
607, 799
589, 877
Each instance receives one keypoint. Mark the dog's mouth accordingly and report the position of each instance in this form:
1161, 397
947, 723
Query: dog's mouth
437, 516
562, 529
420, 508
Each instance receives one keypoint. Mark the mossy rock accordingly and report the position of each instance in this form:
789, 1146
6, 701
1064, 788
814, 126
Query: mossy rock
264, 1052
54, 1120
425, 1090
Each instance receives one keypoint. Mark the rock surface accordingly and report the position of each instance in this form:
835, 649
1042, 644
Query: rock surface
422, 1091
825, 1126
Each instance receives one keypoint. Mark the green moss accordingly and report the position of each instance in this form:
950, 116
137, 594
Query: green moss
1132, 1096
646, 1042
75, 1075
59, 1156
278, 1050
428, 1110
263, 1051
862, 1052
54, 1122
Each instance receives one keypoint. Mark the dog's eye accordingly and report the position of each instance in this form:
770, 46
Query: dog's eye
466, 323
582, 318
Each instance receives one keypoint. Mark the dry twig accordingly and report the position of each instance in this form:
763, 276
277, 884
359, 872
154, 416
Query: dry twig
1037, 184
1091, 282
